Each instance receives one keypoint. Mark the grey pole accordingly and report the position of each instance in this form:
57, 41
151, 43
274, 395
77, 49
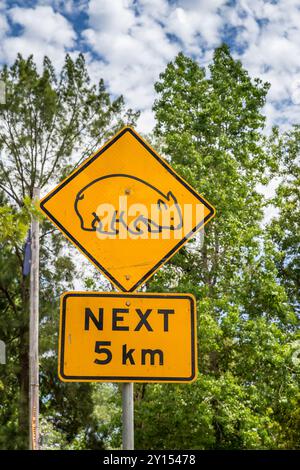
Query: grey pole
127, 416
34, 333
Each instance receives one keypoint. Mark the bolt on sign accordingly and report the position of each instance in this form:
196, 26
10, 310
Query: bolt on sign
122, 337
127, 210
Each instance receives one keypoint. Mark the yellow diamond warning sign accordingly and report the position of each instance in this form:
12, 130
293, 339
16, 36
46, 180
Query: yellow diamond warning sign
127, 210
124, 337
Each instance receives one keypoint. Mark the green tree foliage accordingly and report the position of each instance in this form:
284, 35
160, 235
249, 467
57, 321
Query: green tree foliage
210, 127
47, 117
13, 228
285, 229
48, 120
245, 275
284, 232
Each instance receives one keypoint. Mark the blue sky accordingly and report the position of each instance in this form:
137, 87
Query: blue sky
129, 42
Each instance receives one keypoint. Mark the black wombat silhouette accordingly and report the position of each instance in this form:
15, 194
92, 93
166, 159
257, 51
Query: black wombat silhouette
156, 213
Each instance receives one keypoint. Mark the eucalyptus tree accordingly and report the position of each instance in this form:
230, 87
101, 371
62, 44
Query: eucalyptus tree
51, 120
210, 126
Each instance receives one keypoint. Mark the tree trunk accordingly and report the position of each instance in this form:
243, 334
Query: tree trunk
24, 391
24, 368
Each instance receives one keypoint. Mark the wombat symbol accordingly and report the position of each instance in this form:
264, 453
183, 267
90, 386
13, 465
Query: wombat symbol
107, 214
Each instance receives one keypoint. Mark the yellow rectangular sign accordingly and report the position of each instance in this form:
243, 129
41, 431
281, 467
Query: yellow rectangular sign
124, 337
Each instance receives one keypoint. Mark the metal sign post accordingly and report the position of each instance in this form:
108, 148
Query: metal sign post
127, 416
34, 333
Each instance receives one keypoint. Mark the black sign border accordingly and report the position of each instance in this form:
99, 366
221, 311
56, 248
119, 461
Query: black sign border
126, 378
169, 169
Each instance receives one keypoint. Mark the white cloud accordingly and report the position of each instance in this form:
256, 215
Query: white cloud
130, 42
44, 32
270, 34
197, 17
66, 6
3, 25
3, 21
111, 16
134, 49
135, 41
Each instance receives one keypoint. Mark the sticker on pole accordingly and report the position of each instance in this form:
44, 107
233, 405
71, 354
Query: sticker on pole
118, 337
127, 210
